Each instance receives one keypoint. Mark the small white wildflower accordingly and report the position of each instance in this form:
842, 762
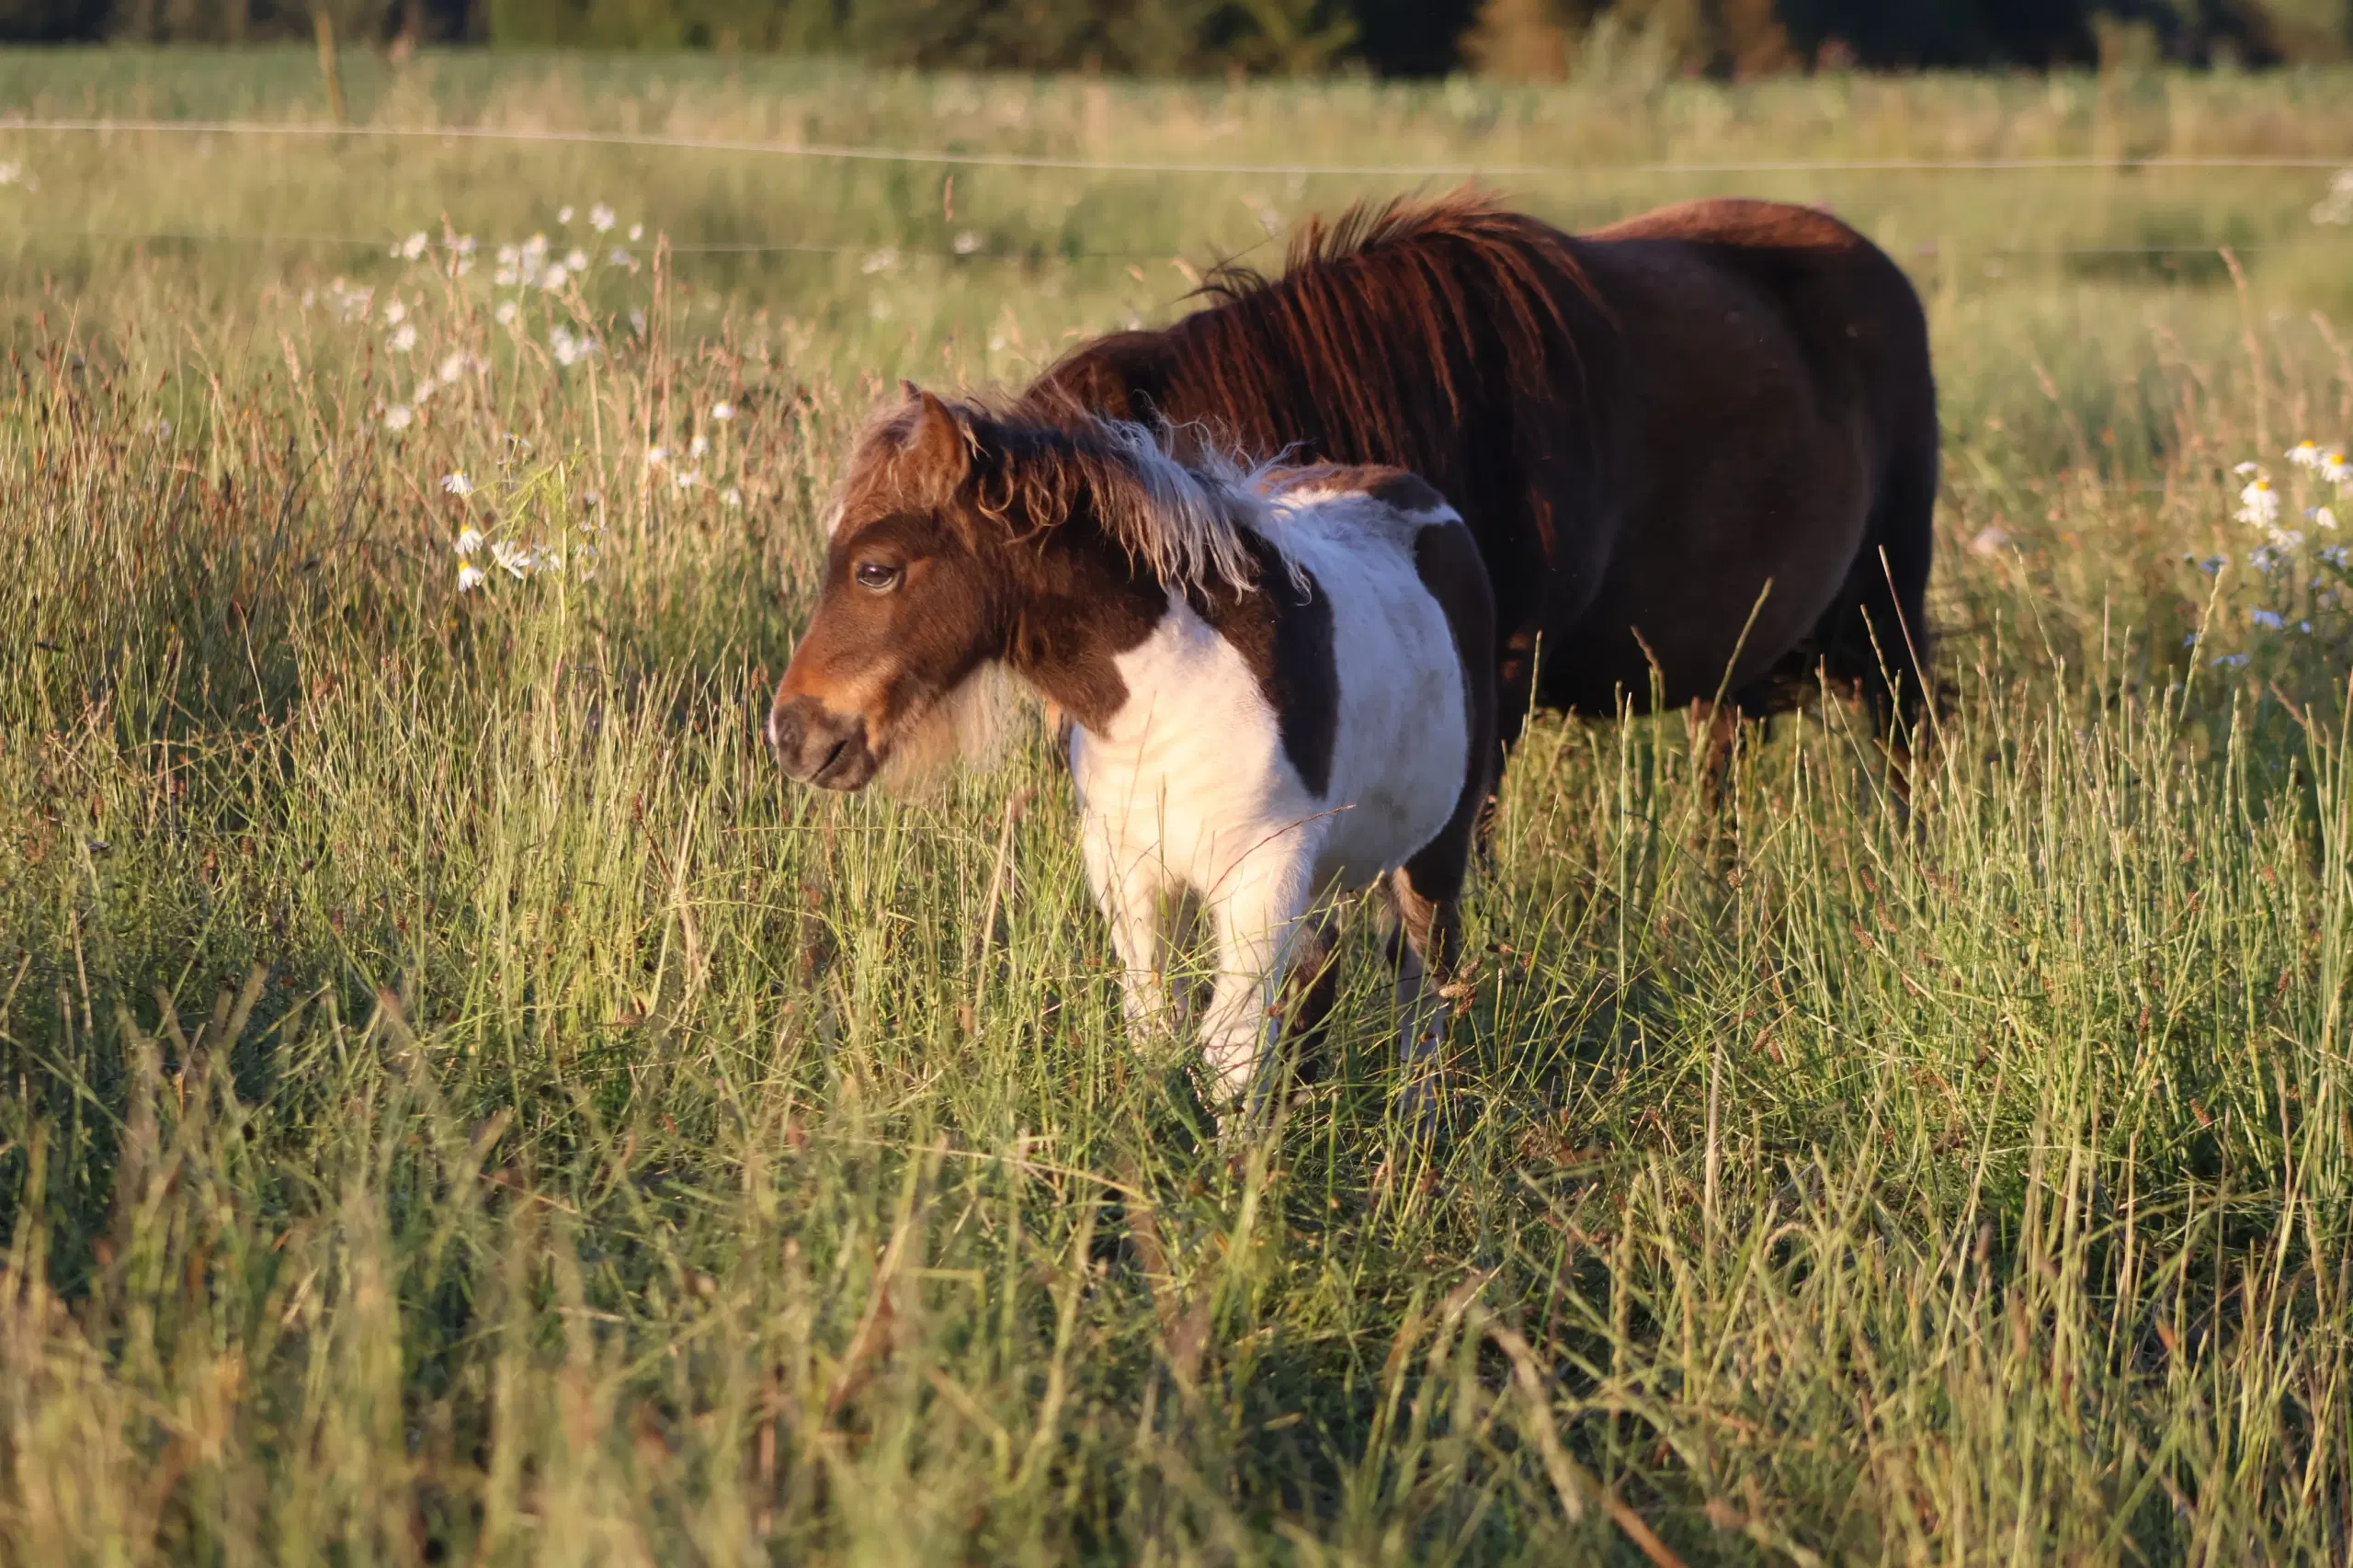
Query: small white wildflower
554, 277
505, 314
465, 244
966, 243
1991, 540
398, 416
697, 447
656, 456
996, 342
471, 577
2335, 468
469, 539
506, 255
394, 312
2243, 470
2269, 619
722, 412
883, 260
11, 172
515, 558
423, 393
401, 338
591, 498
2322, 517
310, 298
620, 257
686, 478
636, 232
161, 427
731, 496
576, 259
563, 213
506, 278
457, 484
2306, 454
452, 366
637, 323
2258, 503
600, 217
413, 246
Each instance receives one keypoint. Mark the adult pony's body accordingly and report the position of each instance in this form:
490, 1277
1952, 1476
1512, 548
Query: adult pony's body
1698, 450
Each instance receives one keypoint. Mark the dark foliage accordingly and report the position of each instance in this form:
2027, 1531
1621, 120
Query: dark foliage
1396, 37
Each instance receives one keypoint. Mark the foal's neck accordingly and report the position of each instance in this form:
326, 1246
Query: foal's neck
1081, 603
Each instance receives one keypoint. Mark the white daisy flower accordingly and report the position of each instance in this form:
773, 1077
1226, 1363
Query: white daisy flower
2322, 517
470, 541
637, 323
399, 417
556, 276
513, 557
456, 483
731, 496
966, 243
636, 232
11, 172
687, 478
600, 217
883, 260
423, 393
413, 246
2243, 470
563, 213
656, 456
465, 244
620, 257
469, 577
453, 366
722, 412
576, 259
2305, 454
697, 447
505, 314
2258, 503
2335, 468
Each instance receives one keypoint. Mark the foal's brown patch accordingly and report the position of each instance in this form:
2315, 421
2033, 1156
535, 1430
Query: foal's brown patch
1284, 633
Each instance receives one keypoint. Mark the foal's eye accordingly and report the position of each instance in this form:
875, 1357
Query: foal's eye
876, 577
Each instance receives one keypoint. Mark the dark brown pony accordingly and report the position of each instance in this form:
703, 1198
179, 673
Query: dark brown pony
1698, 450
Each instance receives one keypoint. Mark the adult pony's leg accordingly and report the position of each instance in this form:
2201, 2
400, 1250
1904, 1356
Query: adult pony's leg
1877, 635
1260, 919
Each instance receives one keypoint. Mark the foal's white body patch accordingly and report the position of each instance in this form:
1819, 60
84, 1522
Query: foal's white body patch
1188, 787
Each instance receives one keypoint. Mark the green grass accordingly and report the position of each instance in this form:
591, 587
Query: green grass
461, 1106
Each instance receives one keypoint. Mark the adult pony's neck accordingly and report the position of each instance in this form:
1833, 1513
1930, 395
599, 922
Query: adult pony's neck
1438, 336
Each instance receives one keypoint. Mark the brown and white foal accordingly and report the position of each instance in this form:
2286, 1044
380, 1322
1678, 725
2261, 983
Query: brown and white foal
1280, 686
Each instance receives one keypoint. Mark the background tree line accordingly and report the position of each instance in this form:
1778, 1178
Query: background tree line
1527, 39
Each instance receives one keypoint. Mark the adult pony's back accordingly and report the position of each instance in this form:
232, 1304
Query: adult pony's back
1697, 448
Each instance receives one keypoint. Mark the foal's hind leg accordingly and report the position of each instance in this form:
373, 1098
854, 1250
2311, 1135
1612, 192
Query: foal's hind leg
1425, 895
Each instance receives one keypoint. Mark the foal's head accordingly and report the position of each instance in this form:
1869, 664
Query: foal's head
956, 536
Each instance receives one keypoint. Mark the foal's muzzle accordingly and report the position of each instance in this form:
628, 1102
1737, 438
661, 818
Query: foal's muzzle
819, 747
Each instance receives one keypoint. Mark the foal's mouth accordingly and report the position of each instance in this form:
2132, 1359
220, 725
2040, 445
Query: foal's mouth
848, 766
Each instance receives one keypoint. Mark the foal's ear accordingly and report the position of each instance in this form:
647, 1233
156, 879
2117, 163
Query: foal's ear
938, 451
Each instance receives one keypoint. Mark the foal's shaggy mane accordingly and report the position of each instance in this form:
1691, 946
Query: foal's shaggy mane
1186, 523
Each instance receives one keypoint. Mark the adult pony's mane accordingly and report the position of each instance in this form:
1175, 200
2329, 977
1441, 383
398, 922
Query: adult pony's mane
1390, 330
1184, 523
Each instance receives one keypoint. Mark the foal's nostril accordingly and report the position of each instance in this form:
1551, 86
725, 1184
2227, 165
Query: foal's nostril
784, 735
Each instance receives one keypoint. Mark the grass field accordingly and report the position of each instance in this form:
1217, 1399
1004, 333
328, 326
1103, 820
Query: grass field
461, 1107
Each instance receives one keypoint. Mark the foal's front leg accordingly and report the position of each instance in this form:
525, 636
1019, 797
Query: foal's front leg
1260, 919
1134, 902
